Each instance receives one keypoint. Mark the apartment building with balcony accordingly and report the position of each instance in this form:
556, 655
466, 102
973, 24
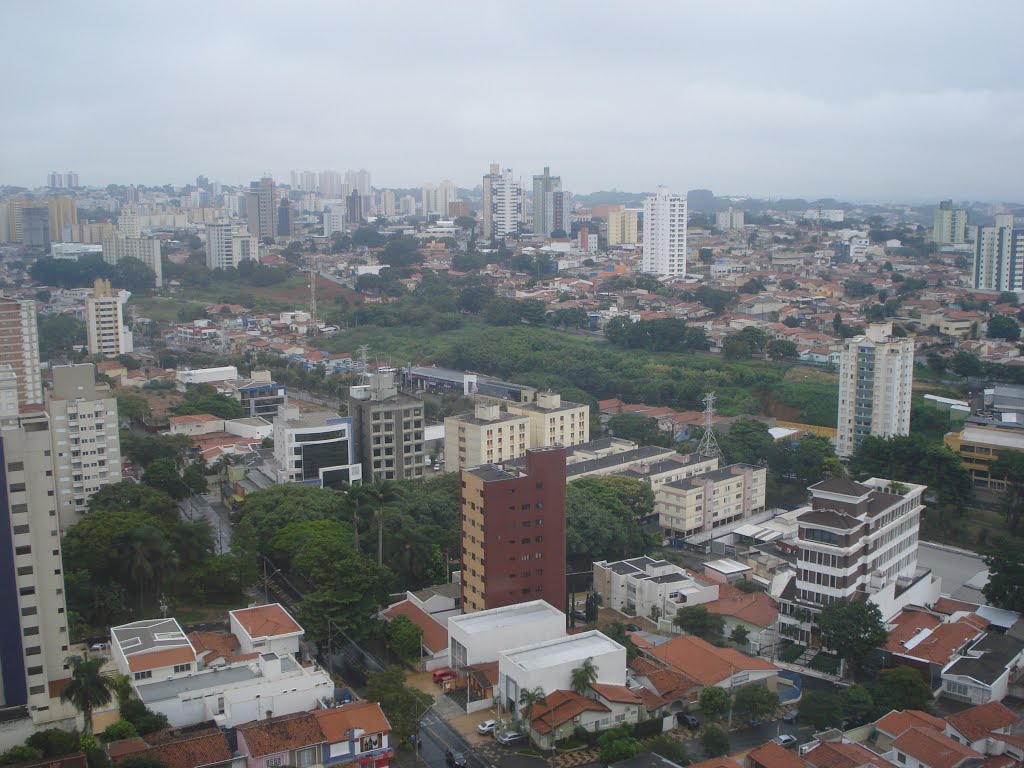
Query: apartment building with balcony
709, 500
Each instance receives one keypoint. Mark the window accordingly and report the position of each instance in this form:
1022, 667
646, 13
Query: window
273, 762
305, 757
901, 758
144, 675
182, 667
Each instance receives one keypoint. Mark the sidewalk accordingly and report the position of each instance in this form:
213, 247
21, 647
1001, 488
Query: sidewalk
807, 671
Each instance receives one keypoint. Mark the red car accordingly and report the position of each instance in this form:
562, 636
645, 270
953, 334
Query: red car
440, 675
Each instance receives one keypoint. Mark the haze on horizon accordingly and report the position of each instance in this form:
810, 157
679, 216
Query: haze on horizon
916, 100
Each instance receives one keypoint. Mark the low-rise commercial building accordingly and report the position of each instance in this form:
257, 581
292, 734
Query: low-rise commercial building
315, 449
979, 444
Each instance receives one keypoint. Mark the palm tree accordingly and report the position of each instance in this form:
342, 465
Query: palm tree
583, 676
149, 557
528, 699
383, 492
88, 689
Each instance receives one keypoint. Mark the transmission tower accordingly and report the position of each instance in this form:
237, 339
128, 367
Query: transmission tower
364, 364
708, 446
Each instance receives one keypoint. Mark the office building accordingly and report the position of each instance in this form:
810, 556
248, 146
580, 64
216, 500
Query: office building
354, 207
227, 245
513, 533
334, 220
19, 347
259, 394
999, 256
553, 422
284, 218
622, 227
980, 442
315, 448
949, 224
664, 234
487, 436
857, 541
35, 226
261, 208
117, 246
729, 219
86, 443
359, 181
502, 204
106, 332
545, 189
34, 646
710, 500
388, 426
876, 376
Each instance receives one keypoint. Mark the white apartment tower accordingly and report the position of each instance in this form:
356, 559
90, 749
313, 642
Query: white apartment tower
729, 219
387, 206
106, 332
664, 234
227, 245
876, 376
999, 256
86, 446
261, 208
19, 347
127, 242
545, 190
334, 220
502, 203
949, 224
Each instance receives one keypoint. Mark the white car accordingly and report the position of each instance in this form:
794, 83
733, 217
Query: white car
785, 740
510, 737
487, 726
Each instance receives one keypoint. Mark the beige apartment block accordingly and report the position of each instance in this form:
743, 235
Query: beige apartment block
553, 422
487, 436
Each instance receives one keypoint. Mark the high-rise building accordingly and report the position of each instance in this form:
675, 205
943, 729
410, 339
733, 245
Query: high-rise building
502, 203
261, 208
545, 189
428, 199
86, 442
354, 207
388, 426
120, 245
513, 533
876, 376
57, 180
407, 205
487, 436
284, 218
34, 651
949, 224
227, 245
387, 203
315, 448
329, 184
664, 234
104, 321
63, 218
360, 181
334, 220
622, 228
562, 212
553, 422
435, 198
19, 348
858, 541
730, 219
999, 256
35, 225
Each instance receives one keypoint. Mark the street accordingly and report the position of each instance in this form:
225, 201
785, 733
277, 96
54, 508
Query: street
198, 507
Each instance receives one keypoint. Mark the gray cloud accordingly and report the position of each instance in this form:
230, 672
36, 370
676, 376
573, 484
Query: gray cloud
852, 99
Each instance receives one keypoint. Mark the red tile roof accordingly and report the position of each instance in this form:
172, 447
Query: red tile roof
619, 694
337, 723
157, 659
218, 645
756, 608
559, 707
771, 755
716, 762
907, 625
704, 662
281, 734
977, 722
896, 722
843, 755
206, 749
266, 621
933, 749
435, 637
946, 639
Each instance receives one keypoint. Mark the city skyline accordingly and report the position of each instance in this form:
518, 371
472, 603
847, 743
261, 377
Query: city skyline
767, 101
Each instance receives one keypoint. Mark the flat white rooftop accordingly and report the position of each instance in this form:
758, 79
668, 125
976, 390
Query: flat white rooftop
562, 650
726, 566
509, 615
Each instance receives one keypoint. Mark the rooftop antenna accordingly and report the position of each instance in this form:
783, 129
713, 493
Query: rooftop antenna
708, 447
364, 364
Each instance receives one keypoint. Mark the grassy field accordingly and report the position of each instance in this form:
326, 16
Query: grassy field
163, 309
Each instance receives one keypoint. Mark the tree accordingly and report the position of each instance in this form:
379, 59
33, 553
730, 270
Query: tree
642, 430
530, 698
822, 710
965, 364
87, 689
715, 702
736, 347
782, 349
600, 525
402, 705
381, 493
122, 729
900, 688
54, 742
856, 703
754, 701
1003, 327
715, 741
1010, 468
748, 442
20, 753
133, 408
405, 638
1005, 587
913, 459
163, 475
59, 335
195, 480
583, 676
205, 399
740, 636
853, 629
698, 620
669, 748
269, 510
617, 744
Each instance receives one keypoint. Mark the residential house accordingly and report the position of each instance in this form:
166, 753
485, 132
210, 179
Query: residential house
642, 586
984, 671
206, 747
984, 728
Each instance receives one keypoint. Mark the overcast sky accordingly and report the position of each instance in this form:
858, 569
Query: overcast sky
860, 100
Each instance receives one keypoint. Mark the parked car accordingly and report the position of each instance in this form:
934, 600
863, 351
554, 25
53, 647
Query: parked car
440, 675
510, 737
632, 628
684, 718
790, 716
487, 726
454, 759
579, 615
785, 740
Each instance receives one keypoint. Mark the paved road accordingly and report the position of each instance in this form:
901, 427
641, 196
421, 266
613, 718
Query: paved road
199, 507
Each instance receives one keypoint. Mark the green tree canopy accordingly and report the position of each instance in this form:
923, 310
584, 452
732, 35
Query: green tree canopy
698, 620
1003, 327
852, 629
900, 688
821, 710
642, 430
715, 741
405, 638
912, 459
1005, 587
754, 701
204, 398
268, 510
600, 524
715, 702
